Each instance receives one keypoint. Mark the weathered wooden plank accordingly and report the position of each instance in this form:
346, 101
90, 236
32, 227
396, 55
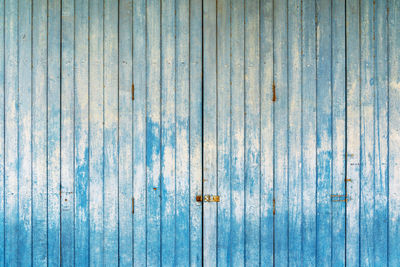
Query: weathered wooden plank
280, 134
96, 137
110, 133
67, 133
223, 132
394, 132
237, 250
324, 133
11, 133
53, 132
182, 214
196, 107
153, 138
81, 134
168, 134
309, 142
125, 131
267, 137
353, 133
39, 133
24, 256
2, 132
252, 132
139, 132
294, 132
381, 135
367, 133
338, 131
209, 130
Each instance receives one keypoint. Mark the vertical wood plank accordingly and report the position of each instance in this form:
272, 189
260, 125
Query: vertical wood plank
111, 226
267, 129
81, 137
24, 134
67, 133
309, 124
2, 132
53, 131
96, 137
353, 132
11, 133
324, 133
381, 135
182, 214
367, 133
223, 133
39, 133
237, 249
125, 156
338, 131
280, 134
252, 132
196, 107
153, 139
294, 131
394, 132
139, 132
168, 134
209, 130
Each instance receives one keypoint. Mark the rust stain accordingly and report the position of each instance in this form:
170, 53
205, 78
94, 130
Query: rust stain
273, 210
133, 91
273, 92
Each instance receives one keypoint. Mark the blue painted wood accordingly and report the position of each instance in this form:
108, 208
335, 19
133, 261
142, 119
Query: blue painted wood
324, 133
53, 132
280, 116
11, 134
367, 124
252, 132
223, 135
111, 170
96, 135
394, 132
139, 132
168, 134
280, 133
294, 132
153, 134
237, 216
309, 139
353, 133
2, 133
195, 129
39, 133
182, 109
210, 134
267, 139
67, 133
24, 134
125, 132
381, 135
81, 133
338, 128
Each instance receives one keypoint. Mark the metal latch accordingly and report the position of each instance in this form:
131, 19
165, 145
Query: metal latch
339, 198
207, 198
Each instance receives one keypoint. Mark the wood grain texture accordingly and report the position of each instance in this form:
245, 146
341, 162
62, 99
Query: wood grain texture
25, 134
125, 134
115, 115
96, 133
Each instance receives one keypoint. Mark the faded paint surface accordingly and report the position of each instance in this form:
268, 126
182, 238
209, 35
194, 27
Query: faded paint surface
278, 107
